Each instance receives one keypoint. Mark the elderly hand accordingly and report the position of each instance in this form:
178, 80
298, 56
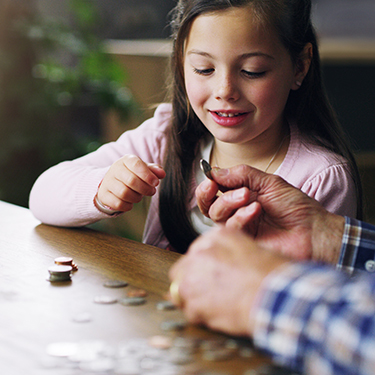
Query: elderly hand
280, 217
219, 277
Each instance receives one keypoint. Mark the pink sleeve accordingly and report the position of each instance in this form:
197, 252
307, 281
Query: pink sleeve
63, 195
334, 189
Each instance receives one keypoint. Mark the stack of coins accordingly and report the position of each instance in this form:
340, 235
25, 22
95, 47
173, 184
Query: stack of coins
60, 273
66, 261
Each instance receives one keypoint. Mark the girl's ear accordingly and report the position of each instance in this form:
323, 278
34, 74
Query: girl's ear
303, 66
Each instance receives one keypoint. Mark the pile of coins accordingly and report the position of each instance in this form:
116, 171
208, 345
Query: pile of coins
62, 270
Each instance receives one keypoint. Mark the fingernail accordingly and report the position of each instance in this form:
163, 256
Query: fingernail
220, 172
238, 194
205, 185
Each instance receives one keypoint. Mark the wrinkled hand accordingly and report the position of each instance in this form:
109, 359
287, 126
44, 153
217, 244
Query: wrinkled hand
219, 278
279, 216
127, 181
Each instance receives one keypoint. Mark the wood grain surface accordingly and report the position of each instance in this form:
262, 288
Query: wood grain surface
35, 313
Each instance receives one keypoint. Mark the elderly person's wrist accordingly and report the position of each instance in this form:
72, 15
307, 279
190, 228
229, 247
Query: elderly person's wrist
327, 233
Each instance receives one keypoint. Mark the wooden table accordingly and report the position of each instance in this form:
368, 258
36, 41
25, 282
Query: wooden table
35, 313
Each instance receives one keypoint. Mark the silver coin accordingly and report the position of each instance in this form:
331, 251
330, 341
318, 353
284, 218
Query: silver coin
99, 365
212, 344
59, 269
188, 345
231, 344
246, 352
115, 284
105, 300
83, 317
165, 305
132, 301
127, 367
173, 325
217, 355
62, 349
57, 279
180, 357
59, 273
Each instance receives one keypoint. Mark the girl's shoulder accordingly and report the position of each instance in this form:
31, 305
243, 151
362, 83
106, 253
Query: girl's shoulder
305, 147
161, 118
307, 158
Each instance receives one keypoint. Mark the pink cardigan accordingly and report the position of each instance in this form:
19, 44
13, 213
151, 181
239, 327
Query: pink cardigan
63, 195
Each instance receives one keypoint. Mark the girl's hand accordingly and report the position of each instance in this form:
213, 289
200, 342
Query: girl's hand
127, 181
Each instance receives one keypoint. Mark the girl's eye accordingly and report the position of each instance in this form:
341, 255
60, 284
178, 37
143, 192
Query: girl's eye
203, 72
253, 74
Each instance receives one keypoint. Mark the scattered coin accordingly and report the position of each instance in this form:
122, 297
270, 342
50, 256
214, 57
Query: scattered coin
148, 364
160, 342
187, 344
165, 305
213, 344
132, 301
217, 354
127, 367
246, 352
231, 344
173, 325
62, 349
115, 284
137, 292
180, 357
105, 300
84, 317
101, 365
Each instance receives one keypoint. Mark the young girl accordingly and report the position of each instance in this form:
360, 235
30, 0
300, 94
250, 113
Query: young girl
245, 89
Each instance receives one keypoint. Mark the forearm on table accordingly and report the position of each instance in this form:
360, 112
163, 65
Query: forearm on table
307, 315
63, 195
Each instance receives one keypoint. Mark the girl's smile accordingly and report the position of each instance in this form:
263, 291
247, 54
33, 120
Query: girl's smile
229, 118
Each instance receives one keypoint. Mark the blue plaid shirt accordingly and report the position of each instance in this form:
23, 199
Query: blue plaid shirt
317, 320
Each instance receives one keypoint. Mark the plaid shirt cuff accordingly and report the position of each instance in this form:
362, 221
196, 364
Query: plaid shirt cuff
358, 247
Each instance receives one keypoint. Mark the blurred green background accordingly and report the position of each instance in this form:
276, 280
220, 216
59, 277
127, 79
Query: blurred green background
61, 87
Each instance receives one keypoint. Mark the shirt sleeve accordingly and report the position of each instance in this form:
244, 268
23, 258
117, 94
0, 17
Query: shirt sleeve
317, 320
358, 247
63, 195
334, 189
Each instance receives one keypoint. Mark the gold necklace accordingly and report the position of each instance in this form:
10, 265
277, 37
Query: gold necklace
272, 159
274, 156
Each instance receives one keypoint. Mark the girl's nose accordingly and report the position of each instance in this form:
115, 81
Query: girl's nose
226, 89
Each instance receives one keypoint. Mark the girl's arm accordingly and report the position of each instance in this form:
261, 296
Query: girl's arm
64, 194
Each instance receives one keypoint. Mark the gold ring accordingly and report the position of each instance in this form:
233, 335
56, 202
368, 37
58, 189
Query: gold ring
174, 292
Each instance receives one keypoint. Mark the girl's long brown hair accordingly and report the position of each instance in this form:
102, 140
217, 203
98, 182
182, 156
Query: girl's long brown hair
308, 107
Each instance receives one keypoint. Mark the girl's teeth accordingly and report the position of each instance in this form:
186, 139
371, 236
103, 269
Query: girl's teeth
227, 114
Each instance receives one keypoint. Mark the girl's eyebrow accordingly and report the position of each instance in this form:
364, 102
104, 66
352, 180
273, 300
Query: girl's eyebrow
242, 57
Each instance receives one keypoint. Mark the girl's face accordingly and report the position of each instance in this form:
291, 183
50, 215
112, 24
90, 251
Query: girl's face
237, 76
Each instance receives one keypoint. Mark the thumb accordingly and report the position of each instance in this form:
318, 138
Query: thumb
237, 177
157, 170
